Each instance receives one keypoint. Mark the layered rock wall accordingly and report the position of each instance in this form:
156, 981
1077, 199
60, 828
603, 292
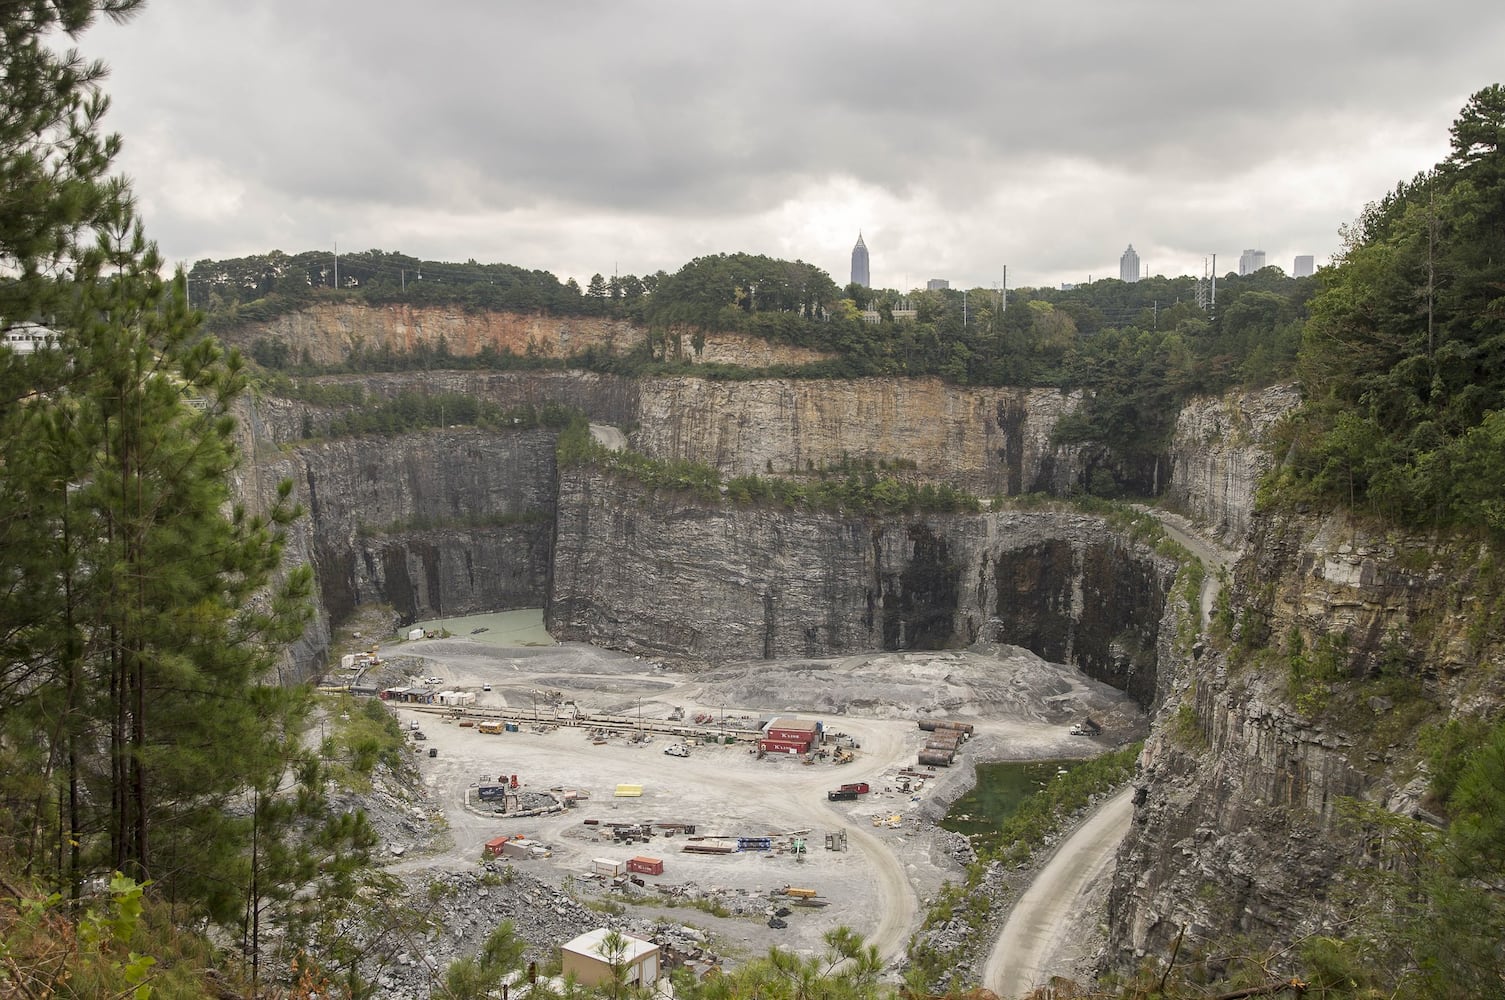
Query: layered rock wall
988, 441
457, 519
670, 575
1219, 453
432, 524
1238, 825
330, 333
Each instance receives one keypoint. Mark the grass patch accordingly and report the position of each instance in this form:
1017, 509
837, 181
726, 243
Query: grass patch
1037, 818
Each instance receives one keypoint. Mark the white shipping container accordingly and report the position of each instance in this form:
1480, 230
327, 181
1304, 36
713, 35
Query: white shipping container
416, 633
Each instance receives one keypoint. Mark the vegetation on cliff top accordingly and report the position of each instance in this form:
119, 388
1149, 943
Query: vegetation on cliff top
1139, 349
848, 491
1403, 361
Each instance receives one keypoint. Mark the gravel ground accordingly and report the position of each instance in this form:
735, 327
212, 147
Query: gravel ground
896, 857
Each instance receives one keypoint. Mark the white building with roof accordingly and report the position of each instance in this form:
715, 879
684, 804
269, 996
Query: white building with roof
28, 338
585, 959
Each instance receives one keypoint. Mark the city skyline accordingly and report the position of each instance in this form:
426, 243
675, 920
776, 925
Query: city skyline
1129, 270
372, 128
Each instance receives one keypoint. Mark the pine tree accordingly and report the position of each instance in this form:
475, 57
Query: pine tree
136, 613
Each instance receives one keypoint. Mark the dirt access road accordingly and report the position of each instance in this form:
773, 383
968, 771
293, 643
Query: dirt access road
1038, 939
1022, 958
895, 858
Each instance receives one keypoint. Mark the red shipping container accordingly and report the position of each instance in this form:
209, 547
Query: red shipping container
782, 746
645, 866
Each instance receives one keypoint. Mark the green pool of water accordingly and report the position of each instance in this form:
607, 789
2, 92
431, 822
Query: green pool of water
500, 628
1000, 790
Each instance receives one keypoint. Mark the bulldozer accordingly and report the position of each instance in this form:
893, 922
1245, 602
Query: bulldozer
842, 756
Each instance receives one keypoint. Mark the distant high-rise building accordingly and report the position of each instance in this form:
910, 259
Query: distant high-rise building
1128, 265
859, 264
1305, 266
936, 284
1250, 261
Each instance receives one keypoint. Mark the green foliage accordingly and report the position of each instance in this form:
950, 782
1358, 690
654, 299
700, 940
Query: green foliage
366, 734
1310, 675
410, 411
1447, 749
1222, 609
1403, 361
1429, 917
847, 969
1039, 817
130, 640
1187, 728
476, 977
1137, 351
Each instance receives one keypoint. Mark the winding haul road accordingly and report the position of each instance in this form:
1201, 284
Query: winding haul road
1021, 959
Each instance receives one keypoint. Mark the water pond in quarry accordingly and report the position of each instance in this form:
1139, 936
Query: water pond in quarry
499, 628
1000, 790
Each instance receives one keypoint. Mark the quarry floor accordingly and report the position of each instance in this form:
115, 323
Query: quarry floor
895, 858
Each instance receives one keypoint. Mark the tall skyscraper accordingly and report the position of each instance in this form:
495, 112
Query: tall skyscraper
937, 284
1304, 267
1250, 261
859, 264
1128, 265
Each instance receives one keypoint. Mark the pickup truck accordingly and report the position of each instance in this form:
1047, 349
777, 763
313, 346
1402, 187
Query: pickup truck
677, 750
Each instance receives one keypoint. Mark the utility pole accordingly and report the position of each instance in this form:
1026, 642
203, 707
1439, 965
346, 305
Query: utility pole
337, 264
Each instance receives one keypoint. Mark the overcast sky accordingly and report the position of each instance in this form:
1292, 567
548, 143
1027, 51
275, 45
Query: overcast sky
959, 138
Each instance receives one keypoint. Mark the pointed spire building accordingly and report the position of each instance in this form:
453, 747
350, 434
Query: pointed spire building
860, 274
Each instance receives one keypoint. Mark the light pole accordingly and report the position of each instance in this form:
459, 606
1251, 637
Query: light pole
640, 718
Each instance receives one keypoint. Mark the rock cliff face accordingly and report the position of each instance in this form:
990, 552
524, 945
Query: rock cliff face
441, 523
457, 520
330, 332
1217, 458
989, 441
672, 576
1237, 829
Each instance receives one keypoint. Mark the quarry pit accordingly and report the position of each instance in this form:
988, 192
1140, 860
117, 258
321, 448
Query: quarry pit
887, 856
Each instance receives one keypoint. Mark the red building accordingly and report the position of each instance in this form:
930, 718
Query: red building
790, 736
